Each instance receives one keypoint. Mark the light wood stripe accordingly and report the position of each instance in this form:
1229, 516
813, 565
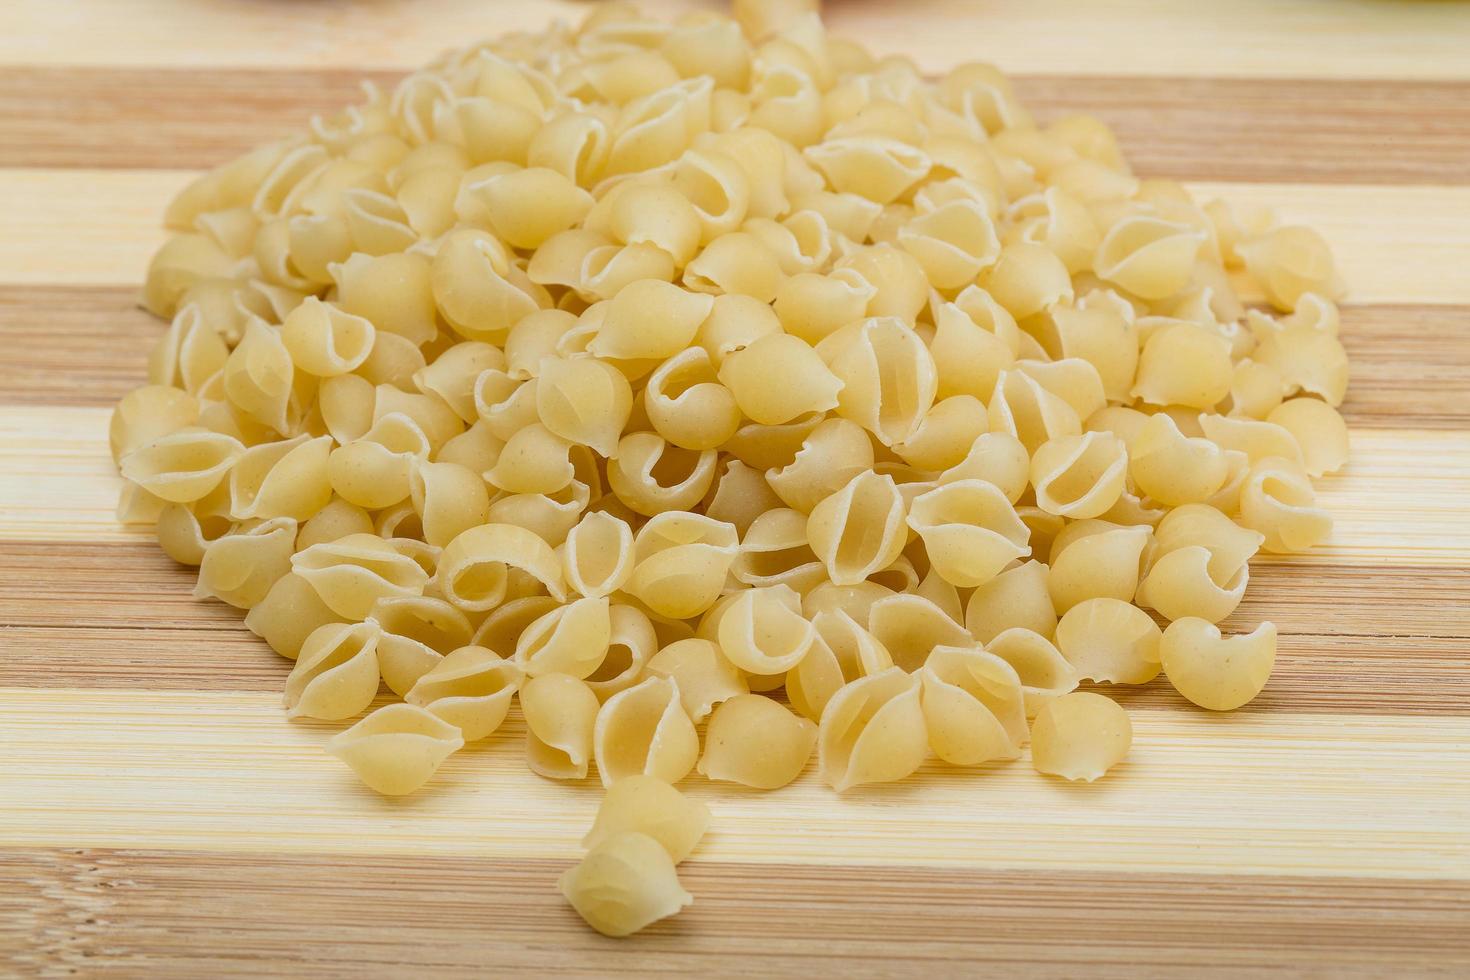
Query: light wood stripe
1353, 640
162, 913
99, 227
88, 345
1186, 128
1271, 793
1248, 38
1399, 501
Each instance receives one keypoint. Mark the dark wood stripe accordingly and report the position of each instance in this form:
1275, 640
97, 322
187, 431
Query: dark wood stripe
95, 911
88, 345
1310, 130
1385, 640
1297, 130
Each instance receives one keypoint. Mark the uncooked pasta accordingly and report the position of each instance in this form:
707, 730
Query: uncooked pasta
715, 400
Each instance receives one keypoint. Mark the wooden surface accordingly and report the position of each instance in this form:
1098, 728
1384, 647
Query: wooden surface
159, 816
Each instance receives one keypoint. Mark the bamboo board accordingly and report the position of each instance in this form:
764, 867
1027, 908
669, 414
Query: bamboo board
159, 816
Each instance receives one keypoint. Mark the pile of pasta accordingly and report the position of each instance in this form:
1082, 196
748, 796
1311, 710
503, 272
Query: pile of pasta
726, 396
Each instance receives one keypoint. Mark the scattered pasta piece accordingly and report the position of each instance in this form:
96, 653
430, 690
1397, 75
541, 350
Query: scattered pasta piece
654, 377
625, 883
1080, 736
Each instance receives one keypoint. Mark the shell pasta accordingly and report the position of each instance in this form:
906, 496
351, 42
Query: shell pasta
716, 401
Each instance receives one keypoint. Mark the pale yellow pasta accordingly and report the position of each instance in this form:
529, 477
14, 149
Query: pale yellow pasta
625, 883
502, 628
1184, 364
190, 355
648, 805
900, 289
953, 242
583, 400
288, 614
471, 688
475, 566
755, 741
1026, 279
375, 470
946, 435
1045, 674
1079, 476
448, 499
1021, 406
182, 534
774, 551
1172, 468
281, 479
1304, 349
734, 323
739, 495
1148, 256
652, 477
1080, 736
762, 630
1096, 560
1199, 564
704, 676
571, 639
1213, 671
1277, 500
182, 466
813, 682
597, 556
397, 748
1256, 389
533, 460
631, 644
969, 529
876, 168
478, 289
417, 632
650, 319
906, 627
550, 516
859, 529
813, 305
645, 730
1017, 596
777, 378
998, 458
336, 673
148, 413
974, 711
1107, 639
241, 567
872, 731
325, 341
1258, 439
1071, 379
560, 713
1318, 429
687, 405
975, 339
680, 561
1291, 261
888, 379
831, 455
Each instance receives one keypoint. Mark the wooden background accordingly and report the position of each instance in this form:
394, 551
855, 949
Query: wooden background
159, 816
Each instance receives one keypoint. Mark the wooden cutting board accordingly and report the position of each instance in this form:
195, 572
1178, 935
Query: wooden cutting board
159, 816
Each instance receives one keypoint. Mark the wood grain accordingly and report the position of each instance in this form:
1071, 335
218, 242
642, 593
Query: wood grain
1187, 128
100, 227
186, 914
1246, 38
1265, 793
